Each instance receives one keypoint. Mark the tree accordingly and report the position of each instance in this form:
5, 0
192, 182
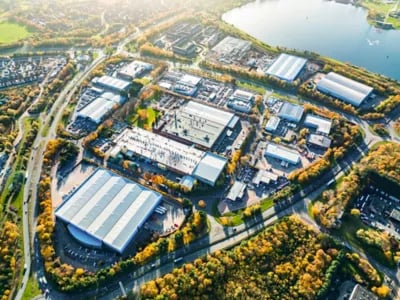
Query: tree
202, 204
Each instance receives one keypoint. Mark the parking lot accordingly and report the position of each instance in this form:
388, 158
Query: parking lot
376, 207
207, 90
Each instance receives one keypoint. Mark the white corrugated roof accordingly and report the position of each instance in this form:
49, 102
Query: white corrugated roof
287, 67
109, 208
344, 88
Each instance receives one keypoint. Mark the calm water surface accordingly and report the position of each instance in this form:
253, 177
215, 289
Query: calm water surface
337, 30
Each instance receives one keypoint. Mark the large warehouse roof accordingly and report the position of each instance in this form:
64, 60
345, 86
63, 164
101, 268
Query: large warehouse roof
109, 208
97, 109
185, 159
112, 83
209, 168
134, 69
282, 153
287, 67
199, 123
291, 112
230, 45
343, 88
322, 125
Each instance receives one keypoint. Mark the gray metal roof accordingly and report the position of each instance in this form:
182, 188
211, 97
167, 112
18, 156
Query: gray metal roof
113, 83
109, 208
282, 153
346, 89
237, 191
291, 112
209, 168
287, 67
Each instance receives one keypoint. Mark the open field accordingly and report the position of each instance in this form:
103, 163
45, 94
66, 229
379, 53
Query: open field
378, 7
12, 32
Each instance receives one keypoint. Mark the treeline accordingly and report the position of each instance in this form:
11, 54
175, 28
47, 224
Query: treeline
344, 137
384, 162
247, 75
285, 261
149, 50
70, 279
10, 255
383, 241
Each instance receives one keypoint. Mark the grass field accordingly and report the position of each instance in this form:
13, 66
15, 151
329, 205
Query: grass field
32, 289
381, 8
350, 226
151, 118
12, 32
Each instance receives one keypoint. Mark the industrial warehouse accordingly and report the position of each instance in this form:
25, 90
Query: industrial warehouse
200, 124
107, 210
345, 89
283, 154
287, 67
100, 107
134, 70
176, 156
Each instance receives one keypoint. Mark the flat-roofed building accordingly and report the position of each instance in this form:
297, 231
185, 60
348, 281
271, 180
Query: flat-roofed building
345, 89
287, 67
232, 46
100, 107
264, 176
272, 124
210, 168
395, 215
134, 70
176, 156
361, 293
112, 84
282, 153
187, 85
291, 112
242, 95
107, 210
320, 141
198, 124
321, 125
236, 192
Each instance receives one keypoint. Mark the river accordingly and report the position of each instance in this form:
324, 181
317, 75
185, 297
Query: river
332, 29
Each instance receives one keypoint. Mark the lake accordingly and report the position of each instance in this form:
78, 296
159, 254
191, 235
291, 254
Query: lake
332, 29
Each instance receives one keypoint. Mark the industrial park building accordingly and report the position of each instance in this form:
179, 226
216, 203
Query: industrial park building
232, 46
107, 210
101, 106
272, 124
283, 154
134, 70
187, 85
241, 101
321, 125
345, 89
237, 191
287, 67
176, 156
319, 141
112, 84
291, 112
199, 124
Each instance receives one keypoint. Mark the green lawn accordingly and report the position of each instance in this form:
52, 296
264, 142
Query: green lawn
32, 289
12, 32
151, 118
251, 87
347, 231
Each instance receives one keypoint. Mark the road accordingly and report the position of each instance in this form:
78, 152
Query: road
219, 238
35, 166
